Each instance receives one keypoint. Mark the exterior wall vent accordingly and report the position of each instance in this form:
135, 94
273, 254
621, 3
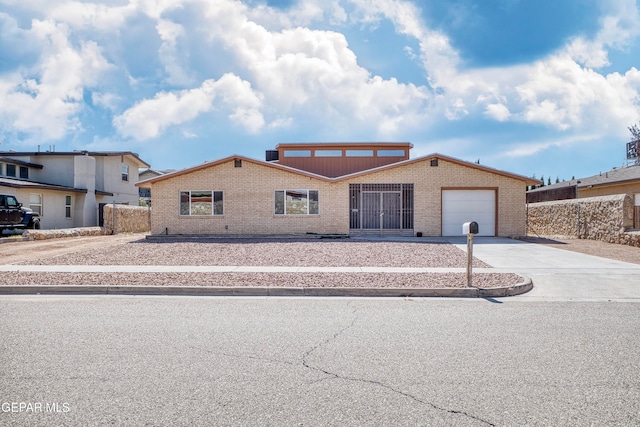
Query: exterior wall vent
272, 155
237, 163
434, 162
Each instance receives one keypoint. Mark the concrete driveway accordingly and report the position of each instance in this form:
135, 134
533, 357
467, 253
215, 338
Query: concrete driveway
558, 274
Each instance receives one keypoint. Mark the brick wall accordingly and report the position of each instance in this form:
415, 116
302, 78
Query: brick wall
430, 180
249, 198
128, 219
605, 218
248, 193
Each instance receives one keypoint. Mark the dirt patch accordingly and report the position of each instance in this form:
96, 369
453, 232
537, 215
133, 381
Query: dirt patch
614, 251
15, 251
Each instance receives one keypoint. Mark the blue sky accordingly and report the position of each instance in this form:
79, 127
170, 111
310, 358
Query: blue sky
545, 88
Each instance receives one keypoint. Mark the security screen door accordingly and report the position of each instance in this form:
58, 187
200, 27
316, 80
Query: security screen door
381, 208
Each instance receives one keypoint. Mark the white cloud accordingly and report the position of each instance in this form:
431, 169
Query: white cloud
529, 149
106, 100
90, 16
497, 112
301, 72
43, 101
561, 90
148, 118
169, 32
283, 73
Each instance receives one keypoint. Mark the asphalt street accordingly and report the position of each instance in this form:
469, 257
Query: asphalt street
122, 360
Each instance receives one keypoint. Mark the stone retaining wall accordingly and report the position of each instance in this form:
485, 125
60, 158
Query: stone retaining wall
606, 218
64, 232
128, 219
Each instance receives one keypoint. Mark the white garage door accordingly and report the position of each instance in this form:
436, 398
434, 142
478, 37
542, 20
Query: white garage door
460, 206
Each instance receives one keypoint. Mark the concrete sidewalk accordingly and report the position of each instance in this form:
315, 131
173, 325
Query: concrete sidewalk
558, 274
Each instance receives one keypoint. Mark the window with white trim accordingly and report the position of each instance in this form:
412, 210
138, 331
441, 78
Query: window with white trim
201, 203
296, 202
35, 203
11, 170
125, 172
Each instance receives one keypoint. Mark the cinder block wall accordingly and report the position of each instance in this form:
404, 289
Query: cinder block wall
605, 218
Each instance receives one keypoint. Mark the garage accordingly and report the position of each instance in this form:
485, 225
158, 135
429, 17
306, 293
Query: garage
460, 206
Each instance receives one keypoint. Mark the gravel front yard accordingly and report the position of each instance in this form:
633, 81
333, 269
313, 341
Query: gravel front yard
271, 252
323, 280
262, 252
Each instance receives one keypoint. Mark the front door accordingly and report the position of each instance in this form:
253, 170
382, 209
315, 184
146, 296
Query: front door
381, 210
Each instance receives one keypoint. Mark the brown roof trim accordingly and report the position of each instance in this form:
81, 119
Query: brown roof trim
358, 145
228, 159
528, 181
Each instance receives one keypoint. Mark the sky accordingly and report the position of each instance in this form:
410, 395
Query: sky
544, 88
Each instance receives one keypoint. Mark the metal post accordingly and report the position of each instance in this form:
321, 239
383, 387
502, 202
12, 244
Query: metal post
469, 259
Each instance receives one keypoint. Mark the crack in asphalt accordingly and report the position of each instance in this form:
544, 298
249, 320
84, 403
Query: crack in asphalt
306, 364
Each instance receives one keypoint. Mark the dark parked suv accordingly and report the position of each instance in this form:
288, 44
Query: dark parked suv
13, 215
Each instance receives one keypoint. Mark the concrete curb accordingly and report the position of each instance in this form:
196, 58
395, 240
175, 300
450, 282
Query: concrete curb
518, 289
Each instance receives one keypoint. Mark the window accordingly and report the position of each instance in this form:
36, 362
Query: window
328, 153
12, 202
125, 173
11, 170
67, 207
296, 202
35, 203
297, 153
1, 168
359, 153
24, 172
390, 153
201, 203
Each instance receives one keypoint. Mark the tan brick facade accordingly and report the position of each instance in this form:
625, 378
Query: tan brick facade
249, 197
248, 202
429, 181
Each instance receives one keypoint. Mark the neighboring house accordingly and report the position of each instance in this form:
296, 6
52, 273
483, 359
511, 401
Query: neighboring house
624, 180
67, 188
145, 193
338, 189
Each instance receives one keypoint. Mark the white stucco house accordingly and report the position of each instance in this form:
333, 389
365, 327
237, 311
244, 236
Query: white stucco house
68, 188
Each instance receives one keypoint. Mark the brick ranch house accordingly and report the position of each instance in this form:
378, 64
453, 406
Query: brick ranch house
338, 188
